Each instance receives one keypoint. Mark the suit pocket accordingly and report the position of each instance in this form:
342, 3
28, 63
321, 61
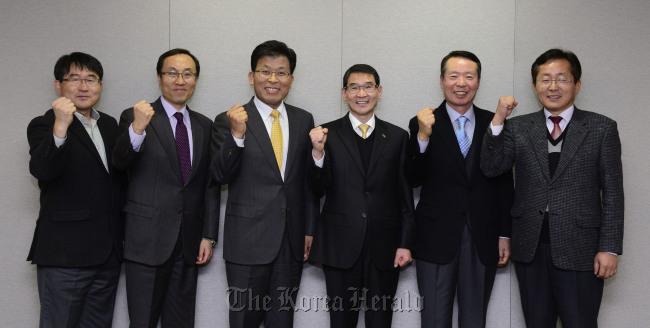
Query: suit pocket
241, 210
71, 215
335, 218
142, 210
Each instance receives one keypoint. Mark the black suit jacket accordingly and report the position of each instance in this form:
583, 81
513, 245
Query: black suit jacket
584, 195
379, 200
455, 192
260, 204
159, 206
79, 222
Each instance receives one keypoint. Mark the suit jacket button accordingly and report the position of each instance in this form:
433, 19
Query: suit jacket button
180, 211
463, 213
363, 215
367, 193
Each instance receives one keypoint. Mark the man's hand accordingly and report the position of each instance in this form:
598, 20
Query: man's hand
605, 265
318, 137
426, 120
308, 241
504, 109
504, 251
402, 257
238, 118
64, 111
142, 114
205, 252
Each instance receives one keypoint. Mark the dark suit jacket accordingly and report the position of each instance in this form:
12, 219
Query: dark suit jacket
260, 205
379, 200
158, 205
584, 196
79, 223
455, 192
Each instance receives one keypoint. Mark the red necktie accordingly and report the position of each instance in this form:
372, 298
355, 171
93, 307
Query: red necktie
556, 126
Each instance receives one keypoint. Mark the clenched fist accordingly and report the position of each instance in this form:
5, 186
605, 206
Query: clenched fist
238, 118
64, 111
504, 109
318, 137
426, 120
142, 113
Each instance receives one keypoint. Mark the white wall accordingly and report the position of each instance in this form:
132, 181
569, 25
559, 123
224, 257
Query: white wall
404, 40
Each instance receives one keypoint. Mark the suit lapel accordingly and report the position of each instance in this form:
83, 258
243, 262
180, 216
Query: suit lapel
482, 120
445, 130
572, 141
255, 128
381, 139
79, 130
537, 136
294, 137
197, 143
108, 137
347, 136
162, 128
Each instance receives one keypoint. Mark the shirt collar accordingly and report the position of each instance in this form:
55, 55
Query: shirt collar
566, 114
265, 110
454, 115
171, 110
94, 115
356, 123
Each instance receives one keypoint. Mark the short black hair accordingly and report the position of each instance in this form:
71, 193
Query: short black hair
360, 68
551, 54
462, 54
273, 48
173, 52
80, 60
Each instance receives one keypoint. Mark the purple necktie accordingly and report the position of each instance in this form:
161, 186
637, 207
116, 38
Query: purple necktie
183, 146
557, 131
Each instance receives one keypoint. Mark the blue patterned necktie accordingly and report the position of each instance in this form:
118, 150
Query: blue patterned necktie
183, 146
461, 135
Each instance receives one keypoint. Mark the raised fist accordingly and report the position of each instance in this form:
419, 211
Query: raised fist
238, 118
142, 113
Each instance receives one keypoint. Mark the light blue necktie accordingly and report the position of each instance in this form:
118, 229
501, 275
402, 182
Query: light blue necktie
461, 135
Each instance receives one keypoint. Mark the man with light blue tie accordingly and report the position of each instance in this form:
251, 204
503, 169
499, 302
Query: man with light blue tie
462, 218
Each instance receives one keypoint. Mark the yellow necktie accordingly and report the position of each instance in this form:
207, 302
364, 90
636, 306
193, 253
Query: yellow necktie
364, 129
276, 137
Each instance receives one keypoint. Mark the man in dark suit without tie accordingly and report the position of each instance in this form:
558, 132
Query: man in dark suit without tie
77, 243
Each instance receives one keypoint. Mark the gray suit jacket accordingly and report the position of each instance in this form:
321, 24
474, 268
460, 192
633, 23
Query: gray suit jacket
159, 206
260, 205
584, 196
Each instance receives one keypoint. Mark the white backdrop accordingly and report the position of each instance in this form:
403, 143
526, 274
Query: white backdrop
404, 40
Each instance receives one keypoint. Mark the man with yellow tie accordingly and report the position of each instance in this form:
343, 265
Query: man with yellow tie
260, 151
366, 226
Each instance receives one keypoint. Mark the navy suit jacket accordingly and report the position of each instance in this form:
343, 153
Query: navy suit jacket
456, 193
359, 204
79, 223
